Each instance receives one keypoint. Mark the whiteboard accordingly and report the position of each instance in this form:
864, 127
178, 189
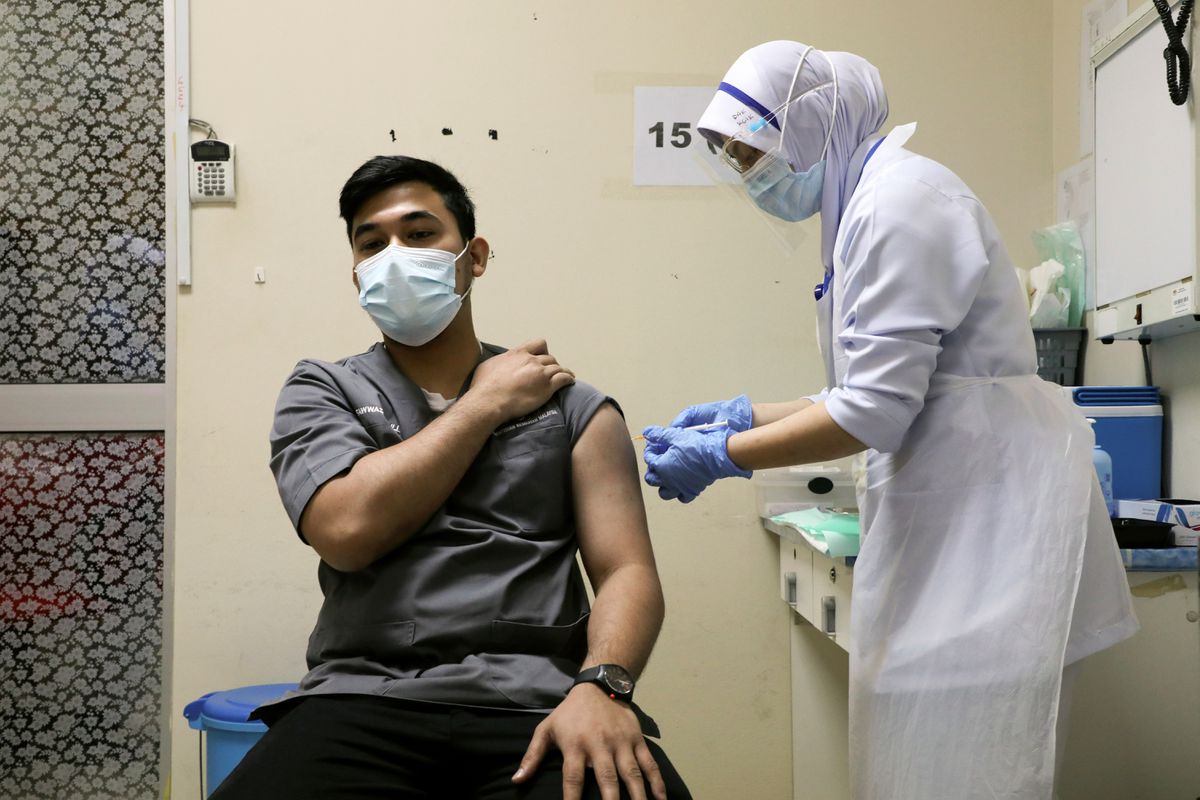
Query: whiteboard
1145, 168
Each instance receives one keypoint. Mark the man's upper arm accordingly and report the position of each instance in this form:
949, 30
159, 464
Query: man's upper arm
610, 515
315, 436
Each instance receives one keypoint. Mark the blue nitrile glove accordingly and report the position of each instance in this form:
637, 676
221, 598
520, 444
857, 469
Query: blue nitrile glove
683, 463
737, 412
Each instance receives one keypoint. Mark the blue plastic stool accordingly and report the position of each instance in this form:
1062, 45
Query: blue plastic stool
231, 734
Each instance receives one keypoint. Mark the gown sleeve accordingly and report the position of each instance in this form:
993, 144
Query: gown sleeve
913, 261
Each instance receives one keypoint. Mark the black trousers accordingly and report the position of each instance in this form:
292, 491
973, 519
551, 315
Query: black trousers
351, 747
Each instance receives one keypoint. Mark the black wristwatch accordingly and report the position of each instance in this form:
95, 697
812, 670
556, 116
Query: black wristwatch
614, 679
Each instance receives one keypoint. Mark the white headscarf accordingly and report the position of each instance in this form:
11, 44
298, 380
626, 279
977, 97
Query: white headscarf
758, 83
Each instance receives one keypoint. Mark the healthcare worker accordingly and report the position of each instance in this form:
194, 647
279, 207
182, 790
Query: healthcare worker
988, 562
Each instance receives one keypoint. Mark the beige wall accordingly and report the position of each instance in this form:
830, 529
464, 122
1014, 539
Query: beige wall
659, 296
1176, 360
1135, 727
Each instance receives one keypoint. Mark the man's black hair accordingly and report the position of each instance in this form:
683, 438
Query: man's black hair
382, 172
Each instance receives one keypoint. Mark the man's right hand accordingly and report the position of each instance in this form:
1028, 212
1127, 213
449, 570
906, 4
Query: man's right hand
521, 380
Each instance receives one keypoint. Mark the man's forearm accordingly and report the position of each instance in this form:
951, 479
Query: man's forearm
389, 494
590, 727
626, 618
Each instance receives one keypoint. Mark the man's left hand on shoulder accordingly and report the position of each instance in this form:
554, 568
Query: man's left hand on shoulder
596, 731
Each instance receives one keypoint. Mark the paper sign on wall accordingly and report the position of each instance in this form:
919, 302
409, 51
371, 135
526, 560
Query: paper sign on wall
667, 148
1181, 300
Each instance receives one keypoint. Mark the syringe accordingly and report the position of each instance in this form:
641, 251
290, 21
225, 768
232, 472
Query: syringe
708, 426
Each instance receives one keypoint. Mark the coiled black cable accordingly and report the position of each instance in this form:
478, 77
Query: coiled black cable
1179, 62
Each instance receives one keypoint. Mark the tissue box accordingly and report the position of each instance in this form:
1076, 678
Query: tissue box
785, 489
1184, 514
1178, 512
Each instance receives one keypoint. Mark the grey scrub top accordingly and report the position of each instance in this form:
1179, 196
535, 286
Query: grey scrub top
485, 605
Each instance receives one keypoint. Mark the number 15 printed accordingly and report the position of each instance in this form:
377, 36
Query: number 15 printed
680, 137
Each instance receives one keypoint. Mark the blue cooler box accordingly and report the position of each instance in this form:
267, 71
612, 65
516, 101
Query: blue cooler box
1129, 426
231, 734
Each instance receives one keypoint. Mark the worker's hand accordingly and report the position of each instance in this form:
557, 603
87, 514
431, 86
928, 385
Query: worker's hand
521, 380
595, 731
682, 463
737, 412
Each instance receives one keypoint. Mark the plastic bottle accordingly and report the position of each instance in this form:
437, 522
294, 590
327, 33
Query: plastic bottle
1102, 461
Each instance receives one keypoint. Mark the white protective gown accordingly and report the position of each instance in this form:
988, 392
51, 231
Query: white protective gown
988, 561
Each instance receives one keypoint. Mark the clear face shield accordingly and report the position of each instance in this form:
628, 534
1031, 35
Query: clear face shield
743, 215
740, 157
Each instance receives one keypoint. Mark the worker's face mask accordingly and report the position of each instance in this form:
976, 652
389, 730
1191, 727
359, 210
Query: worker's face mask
409, 292
791, 196
771, 183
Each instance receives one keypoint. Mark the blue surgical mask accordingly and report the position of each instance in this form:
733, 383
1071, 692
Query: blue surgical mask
791, 196
409, 292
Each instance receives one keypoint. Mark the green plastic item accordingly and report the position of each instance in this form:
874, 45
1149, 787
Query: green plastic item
1063, 244
831, 532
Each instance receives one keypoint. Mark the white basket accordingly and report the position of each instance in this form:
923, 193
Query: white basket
785, 489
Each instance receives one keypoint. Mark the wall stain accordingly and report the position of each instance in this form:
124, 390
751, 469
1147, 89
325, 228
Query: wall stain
1157, 588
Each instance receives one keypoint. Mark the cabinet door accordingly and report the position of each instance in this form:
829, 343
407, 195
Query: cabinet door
832, 583
820, 698
796, 577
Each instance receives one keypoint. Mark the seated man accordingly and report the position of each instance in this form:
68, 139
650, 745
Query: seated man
446, 485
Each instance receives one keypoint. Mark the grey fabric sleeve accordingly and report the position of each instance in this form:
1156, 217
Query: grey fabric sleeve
315, 436
580, 401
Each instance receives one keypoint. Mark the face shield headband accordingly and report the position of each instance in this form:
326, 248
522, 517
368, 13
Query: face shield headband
738, 161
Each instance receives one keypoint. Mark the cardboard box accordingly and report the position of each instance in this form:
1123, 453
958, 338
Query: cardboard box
1185, 514
1179, 512
1186, 537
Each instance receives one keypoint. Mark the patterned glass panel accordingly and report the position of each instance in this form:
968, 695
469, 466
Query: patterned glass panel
81, 519
81, 192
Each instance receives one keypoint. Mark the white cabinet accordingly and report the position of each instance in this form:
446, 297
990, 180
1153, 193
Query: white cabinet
1134, 728
796, 576
820, 725
816, 586
1135, 717
832, 581
818, 590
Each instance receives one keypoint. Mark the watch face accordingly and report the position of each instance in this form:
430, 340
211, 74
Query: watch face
618, 679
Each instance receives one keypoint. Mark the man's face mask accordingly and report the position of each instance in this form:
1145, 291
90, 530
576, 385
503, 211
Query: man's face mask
409, 292
771, 183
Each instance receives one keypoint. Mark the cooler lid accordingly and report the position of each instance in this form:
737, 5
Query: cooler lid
230, 710
1115, 395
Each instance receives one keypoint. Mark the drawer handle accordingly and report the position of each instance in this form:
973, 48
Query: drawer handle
829, 615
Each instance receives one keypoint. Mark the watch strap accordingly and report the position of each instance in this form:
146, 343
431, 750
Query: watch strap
596, 675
